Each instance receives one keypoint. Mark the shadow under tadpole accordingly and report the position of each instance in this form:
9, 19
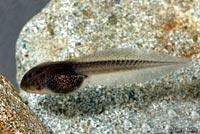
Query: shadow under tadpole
93, 101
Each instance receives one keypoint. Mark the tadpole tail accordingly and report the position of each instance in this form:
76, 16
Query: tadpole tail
125, 66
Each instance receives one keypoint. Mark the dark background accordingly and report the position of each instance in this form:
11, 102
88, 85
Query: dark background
13, 16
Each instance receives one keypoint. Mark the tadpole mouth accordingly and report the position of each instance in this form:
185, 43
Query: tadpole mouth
26, 80
23, 83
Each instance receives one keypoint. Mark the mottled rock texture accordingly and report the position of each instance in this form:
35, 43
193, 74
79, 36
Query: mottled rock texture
71, 28
15, 116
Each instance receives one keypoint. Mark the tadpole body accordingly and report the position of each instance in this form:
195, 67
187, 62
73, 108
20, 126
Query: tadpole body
109, 67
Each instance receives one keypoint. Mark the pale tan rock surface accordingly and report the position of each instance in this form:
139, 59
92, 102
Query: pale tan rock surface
70, 28
15, 116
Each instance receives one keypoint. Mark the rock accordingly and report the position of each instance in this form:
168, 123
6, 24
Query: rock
70, 28
15, 116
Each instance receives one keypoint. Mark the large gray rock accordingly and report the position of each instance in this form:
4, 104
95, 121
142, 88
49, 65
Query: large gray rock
68, 28
15, 116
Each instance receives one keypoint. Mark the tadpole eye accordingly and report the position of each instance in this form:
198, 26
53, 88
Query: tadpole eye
38, 71
29, 75
33, 72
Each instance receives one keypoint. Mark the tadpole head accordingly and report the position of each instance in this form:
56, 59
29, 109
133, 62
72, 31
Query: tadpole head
52, 78
34, 80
